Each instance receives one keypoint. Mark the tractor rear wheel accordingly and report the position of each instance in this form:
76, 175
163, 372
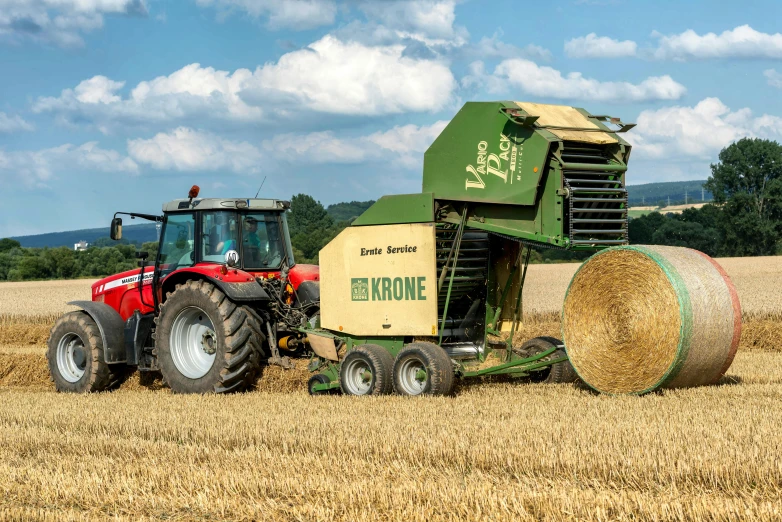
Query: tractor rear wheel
76, 358
366, 370
561, 372
423, 369
205, 342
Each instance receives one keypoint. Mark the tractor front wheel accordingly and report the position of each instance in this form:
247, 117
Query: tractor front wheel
205, 342
75, 356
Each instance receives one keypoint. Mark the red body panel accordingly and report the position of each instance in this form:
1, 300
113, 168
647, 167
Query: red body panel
120, 291
301, 273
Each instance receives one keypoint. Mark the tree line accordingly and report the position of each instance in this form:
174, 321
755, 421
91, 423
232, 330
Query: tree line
744, 220
310, 225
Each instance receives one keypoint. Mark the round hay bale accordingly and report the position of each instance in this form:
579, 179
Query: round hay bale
639, 318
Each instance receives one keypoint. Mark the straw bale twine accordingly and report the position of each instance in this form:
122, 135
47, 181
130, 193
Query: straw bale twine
639, 318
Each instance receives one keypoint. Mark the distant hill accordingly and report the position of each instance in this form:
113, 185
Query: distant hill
133, 233
650, 194
144, 232
347, 211
657, 194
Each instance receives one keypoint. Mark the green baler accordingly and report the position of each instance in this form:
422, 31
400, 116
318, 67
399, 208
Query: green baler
423, 288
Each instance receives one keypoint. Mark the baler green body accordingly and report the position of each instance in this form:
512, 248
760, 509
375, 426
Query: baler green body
552, 185
501, 179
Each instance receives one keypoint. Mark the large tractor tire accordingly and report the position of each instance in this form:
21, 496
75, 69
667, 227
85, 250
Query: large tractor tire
76, 356
205, 342
366, 370
561, 372
423, 369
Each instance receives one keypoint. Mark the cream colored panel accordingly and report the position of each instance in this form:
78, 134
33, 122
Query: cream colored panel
323, 347
564, 116
380, 281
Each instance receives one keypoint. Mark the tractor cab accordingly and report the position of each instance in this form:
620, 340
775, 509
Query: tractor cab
248, 234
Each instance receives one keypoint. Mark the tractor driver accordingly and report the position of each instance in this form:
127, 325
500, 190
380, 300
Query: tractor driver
261, 250
253, 250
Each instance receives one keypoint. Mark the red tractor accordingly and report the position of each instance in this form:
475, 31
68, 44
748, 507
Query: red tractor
223, 295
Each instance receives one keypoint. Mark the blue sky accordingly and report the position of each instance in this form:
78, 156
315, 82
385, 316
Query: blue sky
110, 105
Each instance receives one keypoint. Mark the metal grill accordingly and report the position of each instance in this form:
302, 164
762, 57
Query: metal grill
597, 199
466, 308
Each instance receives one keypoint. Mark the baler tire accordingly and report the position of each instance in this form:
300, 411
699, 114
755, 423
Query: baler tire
318, 379
431, 358
66, 373
236, 347
374, 358
559, 373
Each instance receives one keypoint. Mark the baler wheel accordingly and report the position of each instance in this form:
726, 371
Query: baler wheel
315, 380
423, 369
205, 342
562, 372
366, 370
76, 357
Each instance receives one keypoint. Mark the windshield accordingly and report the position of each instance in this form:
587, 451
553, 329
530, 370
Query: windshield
176, 247
262, 247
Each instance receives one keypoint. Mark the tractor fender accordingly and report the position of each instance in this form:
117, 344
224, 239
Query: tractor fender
111, 326
250, 291
240, 289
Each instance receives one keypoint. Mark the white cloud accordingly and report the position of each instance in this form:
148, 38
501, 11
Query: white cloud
430, 20
774, 78
97, 89
403, 145
329, 76
698, 132
61, 22
741, 42
494, 47
186, 149
548, 82
192, 92
14, 124
593, 46
351, 78
34, 168
290, 14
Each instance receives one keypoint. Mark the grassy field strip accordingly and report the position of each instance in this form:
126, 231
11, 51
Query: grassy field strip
494, 451
755, 278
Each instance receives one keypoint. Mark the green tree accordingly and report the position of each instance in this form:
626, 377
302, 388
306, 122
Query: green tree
7, 244
641, 229
310, 226
676, 232
747, 184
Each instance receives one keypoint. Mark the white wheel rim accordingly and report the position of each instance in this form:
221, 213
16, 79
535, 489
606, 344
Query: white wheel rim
192, 339
71, 357
409, 372
357, 377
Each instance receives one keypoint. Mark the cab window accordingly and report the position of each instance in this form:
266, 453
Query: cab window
220, 234
262, 247
177, 243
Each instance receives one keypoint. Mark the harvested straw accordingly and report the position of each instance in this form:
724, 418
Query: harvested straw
639, 318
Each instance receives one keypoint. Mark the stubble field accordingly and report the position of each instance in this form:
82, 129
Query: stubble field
494, 451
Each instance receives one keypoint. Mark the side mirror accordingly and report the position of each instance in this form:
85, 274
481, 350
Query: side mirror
116, 229
142, 255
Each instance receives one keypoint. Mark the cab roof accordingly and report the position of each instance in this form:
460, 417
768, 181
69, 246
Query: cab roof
183, 205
